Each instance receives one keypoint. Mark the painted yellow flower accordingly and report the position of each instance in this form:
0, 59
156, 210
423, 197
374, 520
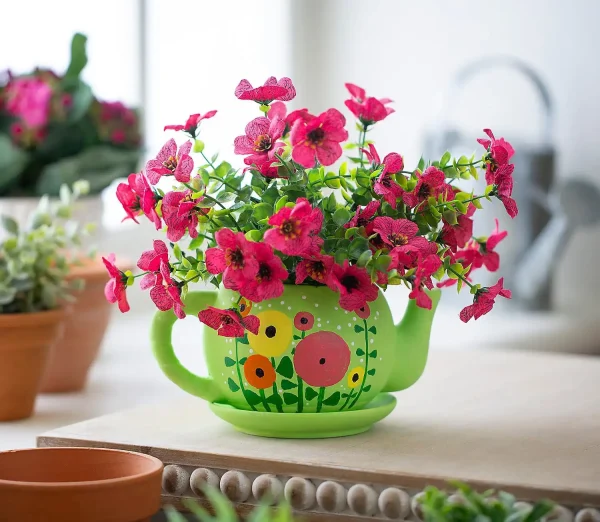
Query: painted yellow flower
355, 376
274, 334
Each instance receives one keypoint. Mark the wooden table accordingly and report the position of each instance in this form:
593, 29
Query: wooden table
527, 423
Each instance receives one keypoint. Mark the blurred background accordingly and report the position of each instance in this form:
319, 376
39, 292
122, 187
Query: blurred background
528, 70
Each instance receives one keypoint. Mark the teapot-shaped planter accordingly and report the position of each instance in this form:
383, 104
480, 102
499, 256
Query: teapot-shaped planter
309, 357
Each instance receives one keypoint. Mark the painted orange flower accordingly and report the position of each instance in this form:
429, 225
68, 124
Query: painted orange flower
244, 307
259, 372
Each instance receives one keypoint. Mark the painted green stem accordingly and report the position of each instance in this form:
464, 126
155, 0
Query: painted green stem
264, 400
320, 399
239, 373
275, 393
364, 379
347, 399
300, 385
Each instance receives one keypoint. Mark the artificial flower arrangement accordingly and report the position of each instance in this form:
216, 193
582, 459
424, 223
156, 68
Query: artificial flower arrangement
290, 218
54, 130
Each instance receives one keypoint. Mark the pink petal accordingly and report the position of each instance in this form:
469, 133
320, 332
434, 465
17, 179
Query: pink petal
257, 127
215, 261
184, 149
291, 90
161, 298
277, 110
242, 87
356, 91
252, 324
167, 150
243, 145
184, 168
109, 291
226, 238
329, 152
304, 155
393, 162
276, 129
150, 280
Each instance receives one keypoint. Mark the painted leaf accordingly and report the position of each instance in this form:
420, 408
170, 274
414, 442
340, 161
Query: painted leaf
296, 337
288, 385
243, 360
358, 328
229, 362
371, 371
360, 351
367, 388
344, 395
285, 367
333, 399
251, 397
275, 399
373, 330
373, 353
232, 385
243, 340
290, 398
310, 394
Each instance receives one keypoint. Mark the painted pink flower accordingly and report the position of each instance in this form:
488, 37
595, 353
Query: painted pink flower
431, 183
228, 323
499, 153
180, 214
166, 293
319, 268
368, 110
354, 285
115, 290
318, 139
504, 187
304, 321
28, 99
362, 217
268, 282
271, 90
233, 257
296, 229
137, 197
171, 162
400, 236
150, 260
261, 141
192, 123
364, 312
484, 301
322, 359
425, 269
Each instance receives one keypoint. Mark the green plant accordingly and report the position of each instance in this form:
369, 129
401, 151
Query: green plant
469, 506
34, 260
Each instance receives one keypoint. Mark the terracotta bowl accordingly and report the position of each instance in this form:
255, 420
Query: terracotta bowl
77, 484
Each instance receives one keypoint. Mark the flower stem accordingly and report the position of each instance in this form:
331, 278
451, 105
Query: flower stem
320, 399
301, 387
446, 203
461, 277
278, 403
264, 400
362, 136
208, 161
364, 379
347, 399
239, 373
472, 164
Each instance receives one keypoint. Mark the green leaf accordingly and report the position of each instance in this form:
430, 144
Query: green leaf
290, 398
288, 385
373, 354
332, 180
310, 394
450, 217
243, 360
364, 258
373, 329
360, 352
371, 371
232, 385
358, 246
296, 337
358, 328
229, 362
473, 171
222, 170
285, 367
333, 399
243, 340
281, 203
341, 216
383, 262
539, 511
79, 58
262, 211
421, 164
330, 204
225, 197
367, 388
252, 398
10, 225
445, 159
275, 399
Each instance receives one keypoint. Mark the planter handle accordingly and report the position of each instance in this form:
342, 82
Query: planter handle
162, 346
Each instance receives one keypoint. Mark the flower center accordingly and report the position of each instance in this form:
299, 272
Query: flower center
170, 163
304, 320
424, 191
316, 270
264, 272
262, 143
234, 258
398, 239
227, 320
290, 228
322, 360
350, 282
260, 372
270, 331
355, 377
316, 136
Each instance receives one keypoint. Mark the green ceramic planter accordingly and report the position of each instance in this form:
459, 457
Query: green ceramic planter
310, 356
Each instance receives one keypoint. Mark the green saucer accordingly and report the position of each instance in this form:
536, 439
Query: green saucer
306, 425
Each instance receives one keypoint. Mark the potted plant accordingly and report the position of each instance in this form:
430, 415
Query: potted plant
55, 131
34, 290
301, 253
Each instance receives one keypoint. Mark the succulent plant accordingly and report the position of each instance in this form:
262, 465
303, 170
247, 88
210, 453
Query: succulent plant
35, 259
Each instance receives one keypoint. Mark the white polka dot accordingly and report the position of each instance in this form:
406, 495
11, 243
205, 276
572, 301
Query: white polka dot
339, 327
352, 343
319, 325
293, 343
251, 350
282, 302
269, 305
327, 322
349, 325
245, 384
316, 305
222, 374
380, 359
280, 391
303, 297
372, 341
377, 312
318, 319
335, 308
354, 318
231, 372
232, 299
230, 352
260, 307
362, 360
289, 307
345, 311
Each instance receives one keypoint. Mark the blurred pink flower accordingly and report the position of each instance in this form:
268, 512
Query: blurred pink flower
29, 100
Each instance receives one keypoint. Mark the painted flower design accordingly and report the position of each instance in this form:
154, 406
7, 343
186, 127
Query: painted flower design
355, 377
367, 109
259, 372
322, 359
354, 285
192, 123
115, 290
228, 323
304, 321
272, 89
274, 335
171, 162
318, 139
244, 307
363, 312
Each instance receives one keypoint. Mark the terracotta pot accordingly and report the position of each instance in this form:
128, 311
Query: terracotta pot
78, 484
25, 343
85, 327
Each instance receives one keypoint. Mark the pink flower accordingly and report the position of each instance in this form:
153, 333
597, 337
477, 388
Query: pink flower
296, 229
401, 236
431, 183
171, 162
500, 152
484, 301
229, 323
279, 110
456, 236
29, 100
192, 123
260, 141
319, 269
180, 213
115, 290
137, 197
504, 187
166, 294
268, 282
233, 257
266, 169
318, 138
367, 109
385, 185
362, 217
272, 90
150, 260
322, 359
354, 285
425, 269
